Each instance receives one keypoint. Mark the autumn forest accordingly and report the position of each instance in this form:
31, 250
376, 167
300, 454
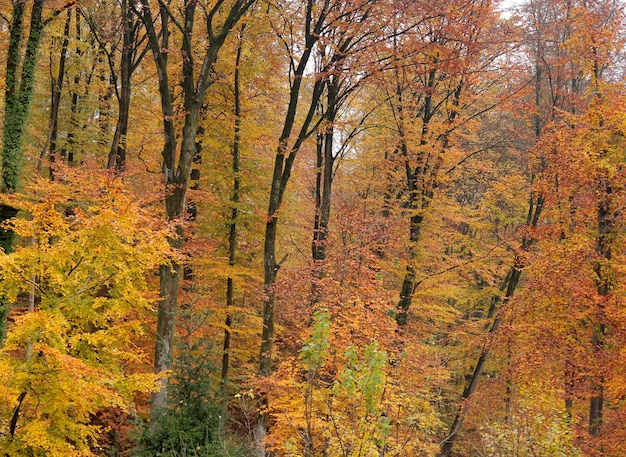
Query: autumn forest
313, 228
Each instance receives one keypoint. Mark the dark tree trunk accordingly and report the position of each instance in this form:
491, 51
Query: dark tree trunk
602, 268
117, 153
50, 147
69, 153
232, 235
19, 92
596, 402
177, 164
420, 193
325, 176
513, 277
283, 163
18, 96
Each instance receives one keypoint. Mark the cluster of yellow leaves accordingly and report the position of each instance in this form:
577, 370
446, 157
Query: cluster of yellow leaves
349, 402
88, 246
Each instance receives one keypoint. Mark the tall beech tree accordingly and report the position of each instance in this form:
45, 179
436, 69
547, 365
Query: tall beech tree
56, 88
309, 21
345, 76
578, 43
535, 208
436, 92
232, 229
122, 35
332, 31
20, 79
197, 76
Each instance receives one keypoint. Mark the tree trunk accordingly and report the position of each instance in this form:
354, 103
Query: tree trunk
283, 163
117, 153
602, 268
177, 165
596, 402
18, 96
513, 277
56, 88
419, 192
325, 153
69, 153
232, 235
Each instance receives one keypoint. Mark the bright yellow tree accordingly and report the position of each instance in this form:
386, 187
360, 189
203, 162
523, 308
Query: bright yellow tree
88, 248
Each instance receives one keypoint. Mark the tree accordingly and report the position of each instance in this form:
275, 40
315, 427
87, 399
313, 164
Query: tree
433, 94
56, 86
177, 160
330, 27
69, 355
132, 49
18, 95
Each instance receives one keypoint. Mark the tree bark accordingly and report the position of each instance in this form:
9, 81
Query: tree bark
325, 178
602, 269
117, 153
283, 163
513, 277
56, 90
177, 164
420, 185
18, 96
232, 235
69, 152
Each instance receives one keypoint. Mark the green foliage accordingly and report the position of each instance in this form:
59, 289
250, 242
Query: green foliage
190, 424
315, 350
342, 417
359, 421
364, 377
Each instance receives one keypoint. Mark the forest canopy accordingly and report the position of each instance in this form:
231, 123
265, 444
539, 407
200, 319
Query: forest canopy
312, 228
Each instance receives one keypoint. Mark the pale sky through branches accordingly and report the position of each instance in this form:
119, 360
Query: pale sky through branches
506, 6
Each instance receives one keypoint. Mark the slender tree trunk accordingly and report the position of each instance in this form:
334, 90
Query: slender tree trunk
104, 98
117, 153
596, 402
325, 179
69, 153
569, 387
232, 235
420, 192
177, 163
323, 190
56, 90
283, 163
317, 269
602, 270
513, 277
19, 94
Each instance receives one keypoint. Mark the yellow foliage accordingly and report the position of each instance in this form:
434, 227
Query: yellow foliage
88, 248
350, 404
